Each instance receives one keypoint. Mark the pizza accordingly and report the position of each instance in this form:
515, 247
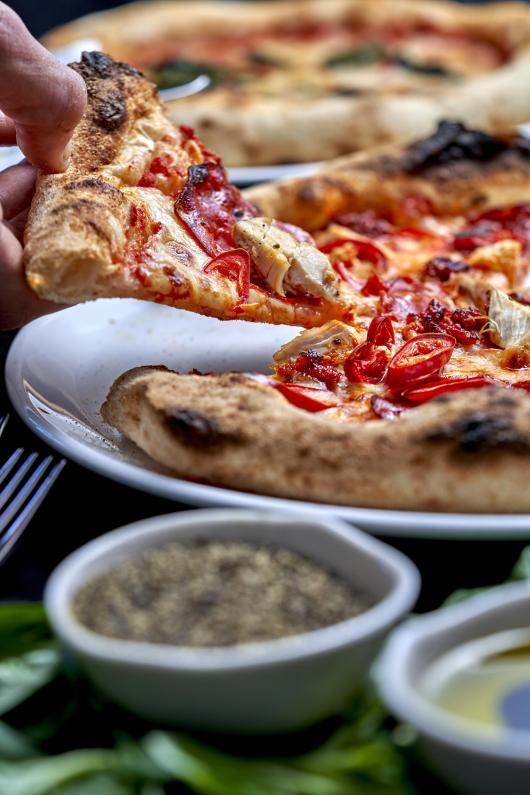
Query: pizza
145, 210
304, 80
419, 400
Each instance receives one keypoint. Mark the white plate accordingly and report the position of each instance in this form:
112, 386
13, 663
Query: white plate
250, 175
60, 368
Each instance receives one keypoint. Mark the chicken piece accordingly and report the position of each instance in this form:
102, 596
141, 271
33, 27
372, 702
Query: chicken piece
335, 335
504, 256
285, 262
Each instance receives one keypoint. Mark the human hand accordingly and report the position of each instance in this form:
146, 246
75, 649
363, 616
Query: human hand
41, 101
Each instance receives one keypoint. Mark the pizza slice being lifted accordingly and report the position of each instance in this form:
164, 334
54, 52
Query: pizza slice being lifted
145, 210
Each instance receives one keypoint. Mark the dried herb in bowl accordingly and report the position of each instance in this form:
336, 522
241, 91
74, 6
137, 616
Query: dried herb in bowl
215, 593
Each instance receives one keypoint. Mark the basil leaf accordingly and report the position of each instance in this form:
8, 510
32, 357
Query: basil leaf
14, 744
423, 68
23, 626
521, 570
171, 74
22, 676
46, 775
366, 770
98, 785
360, 56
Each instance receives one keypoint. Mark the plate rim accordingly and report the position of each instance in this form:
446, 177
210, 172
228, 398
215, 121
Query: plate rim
378, 521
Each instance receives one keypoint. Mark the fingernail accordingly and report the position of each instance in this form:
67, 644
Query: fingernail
67, 154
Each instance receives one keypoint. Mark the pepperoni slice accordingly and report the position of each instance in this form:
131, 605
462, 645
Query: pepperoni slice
209, 206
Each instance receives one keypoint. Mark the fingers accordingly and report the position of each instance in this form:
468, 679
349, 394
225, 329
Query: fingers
17, 185
44, 98
18, 304
8, 133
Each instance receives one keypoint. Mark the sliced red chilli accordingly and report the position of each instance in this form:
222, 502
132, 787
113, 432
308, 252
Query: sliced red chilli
307, 397
381, 331
235, 265
423, 392
420, 358
363, 249
366, 364
341, 269
485, 235
374, 286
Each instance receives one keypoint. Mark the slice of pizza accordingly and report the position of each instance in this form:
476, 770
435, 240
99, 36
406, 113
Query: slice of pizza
144, 210
420, 400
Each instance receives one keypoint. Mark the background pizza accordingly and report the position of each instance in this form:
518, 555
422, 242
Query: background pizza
305, 80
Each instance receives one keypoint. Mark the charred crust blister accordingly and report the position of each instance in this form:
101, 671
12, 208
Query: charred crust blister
110, 113
92, 183
452, 143
196, 428
98, 64
480, 432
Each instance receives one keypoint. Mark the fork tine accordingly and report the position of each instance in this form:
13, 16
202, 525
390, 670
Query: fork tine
25, 492
17, 478
3, 423
10, 463
17, 527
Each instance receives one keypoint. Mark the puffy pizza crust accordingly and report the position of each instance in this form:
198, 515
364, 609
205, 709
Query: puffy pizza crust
77, 232
385, 176
466, 452
299, 120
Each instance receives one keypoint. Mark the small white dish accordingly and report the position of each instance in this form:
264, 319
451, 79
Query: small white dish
469, 757
268, 687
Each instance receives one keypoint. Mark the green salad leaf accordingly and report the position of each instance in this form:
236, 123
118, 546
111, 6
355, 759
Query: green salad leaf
60, 737
520, 573
22, 676
23, 627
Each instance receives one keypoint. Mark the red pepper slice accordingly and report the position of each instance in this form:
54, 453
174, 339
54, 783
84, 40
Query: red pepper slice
381, 331
505, 215
235, 265
374, 286
366, 364
342, 270
421, 357
209, 206
417, 233
426, 391
470, 239
363, 249
307, 397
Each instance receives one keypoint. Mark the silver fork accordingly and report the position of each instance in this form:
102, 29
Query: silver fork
25, 480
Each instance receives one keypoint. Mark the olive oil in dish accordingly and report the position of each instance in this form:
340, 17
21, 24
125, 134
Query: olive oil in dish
485, 683
215, 593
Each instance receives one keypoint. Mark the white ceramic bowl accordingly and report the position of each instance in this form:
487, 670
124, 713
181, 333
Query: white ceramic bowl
469, 758
274, 686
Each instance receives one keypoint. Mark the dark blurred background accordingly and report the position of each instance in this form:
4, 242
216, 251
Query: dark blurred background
40, 17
